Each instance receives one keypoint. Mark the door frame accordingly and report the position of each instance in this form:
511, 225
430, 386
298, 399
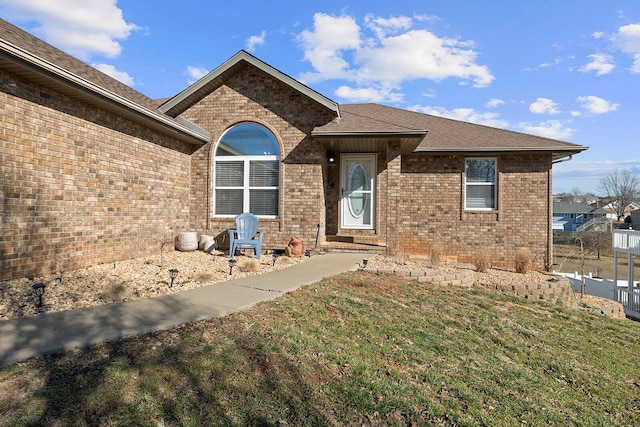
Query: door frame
344, 160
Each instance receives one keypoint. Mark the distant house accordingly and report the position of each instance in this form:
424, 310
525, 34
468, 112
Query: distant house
93, 170
576, 216
611, 210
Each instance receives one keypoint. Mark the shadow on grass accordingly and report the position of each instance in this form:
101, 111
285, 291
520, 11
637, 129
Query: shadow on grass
198, 374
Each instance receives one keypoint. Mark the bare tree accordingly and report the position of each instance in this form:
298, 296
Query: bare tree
622, 188
597, 241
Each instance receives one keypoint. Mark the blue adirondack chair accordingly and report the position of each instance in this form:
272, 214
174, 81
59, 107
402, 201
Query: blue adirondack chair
246, 234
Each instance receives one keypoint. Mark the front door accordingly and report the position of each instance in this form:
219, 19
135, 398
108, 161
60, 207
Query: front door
357, 188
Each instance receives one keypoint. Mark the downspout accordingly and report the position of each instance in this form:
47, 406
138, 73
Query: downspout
210, 184
549, 265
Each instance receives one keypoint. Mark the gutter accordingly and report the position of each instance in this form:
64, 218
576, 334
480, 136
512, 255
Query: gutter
563, 159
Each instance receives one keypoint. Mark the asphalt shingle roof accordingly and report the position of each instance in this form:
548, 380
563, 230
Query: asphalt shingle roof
442, 134
49, 53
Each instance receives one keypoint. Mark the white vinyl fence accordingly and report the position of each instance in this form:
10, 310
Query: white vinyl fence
626, 242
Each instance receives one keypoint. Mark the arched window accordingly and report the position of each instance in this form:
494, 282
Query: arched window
246, 172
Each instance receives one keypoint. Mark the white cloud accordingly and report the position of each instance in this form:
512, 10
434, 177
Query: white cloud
368, 94
463, 114
393, 52
83, 28
627, 39
254, 41
601, 63
195, 73
324, 47
382, 27
494, 102
587, 175
549, 129
556, 61
111, 71
544, 106
597, 105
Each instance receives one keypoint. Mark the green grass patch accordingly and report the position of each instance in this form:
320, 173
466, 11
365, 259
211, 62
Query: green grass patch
354, 349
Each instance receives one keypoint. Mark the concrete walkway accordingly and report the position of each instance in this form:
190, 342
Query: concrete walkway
49, 333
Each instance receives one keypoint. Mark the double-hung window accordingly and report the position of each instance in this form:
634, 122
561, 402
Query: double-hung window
480, 184
247, 172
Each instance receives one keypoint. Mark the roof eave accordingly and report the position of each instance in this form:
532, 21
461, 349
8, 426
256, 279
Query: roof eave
369, 134
557, 152
101, 95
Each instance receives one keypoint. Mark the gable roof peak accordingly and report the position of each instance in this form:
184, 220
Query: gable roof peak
212, 80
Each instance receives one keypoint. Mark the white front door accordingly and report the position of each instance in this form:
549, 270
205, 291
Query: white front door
357, 188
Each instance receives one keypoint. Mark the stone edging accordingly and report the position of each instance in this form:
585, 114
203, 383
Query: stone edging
460, 278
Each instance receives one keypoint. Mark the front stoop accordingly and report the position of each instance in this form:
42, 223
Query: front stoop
352, 247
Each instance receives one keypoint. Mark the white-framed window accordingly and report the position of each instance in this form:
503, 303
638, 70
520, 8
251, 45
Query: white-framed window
246, 172
480, 184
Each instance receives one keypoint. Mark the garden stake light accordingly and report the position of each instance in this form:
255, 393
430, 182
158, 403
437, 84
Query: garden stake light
173, 273
39, 289
232, 262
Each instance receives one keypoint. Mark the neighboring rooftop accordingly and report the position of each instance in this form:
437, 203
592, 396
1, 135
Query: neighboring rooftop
576, 208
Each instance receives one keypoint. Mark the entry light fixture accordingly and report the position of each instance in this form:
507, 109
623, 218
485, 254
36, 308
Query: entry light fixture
173, 273
331, 157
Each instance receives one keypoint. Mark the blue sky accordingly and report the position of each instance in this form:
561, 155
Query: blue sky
564, 69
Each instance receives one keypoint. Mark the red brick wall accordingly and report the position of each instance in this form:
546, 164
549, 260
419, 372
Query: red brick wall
80, 186
433, 213
252, 95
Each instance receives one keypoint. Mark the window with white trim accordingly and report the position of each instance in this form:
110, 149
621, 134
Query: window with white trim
480, 184
246, 172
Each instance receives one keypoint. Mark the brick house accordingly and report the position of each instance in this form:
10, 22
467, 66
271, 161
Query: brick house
94, 171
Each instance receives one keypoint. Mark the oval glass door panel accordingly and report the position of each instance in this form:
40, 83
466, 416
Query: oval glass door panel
357, 184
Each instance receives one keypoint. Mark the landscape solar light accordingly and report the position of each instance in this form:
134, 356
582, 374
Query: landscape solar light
232, 262
275, 258
365, 262
39, 289
173, 273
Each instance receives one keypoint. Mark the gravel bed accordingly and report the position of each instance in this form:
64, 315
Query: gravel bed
130, 280
149, 277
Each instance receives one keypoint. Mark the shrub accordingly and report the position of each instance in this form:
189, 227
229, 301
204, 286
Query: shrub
204, 277
435, 254
481, 262
114, 292
250, 266
523, 262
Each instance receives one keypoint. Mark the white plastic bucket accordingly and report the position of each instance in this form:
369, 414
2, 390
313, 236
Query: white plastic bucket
187, 241
209, 245
205, 241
